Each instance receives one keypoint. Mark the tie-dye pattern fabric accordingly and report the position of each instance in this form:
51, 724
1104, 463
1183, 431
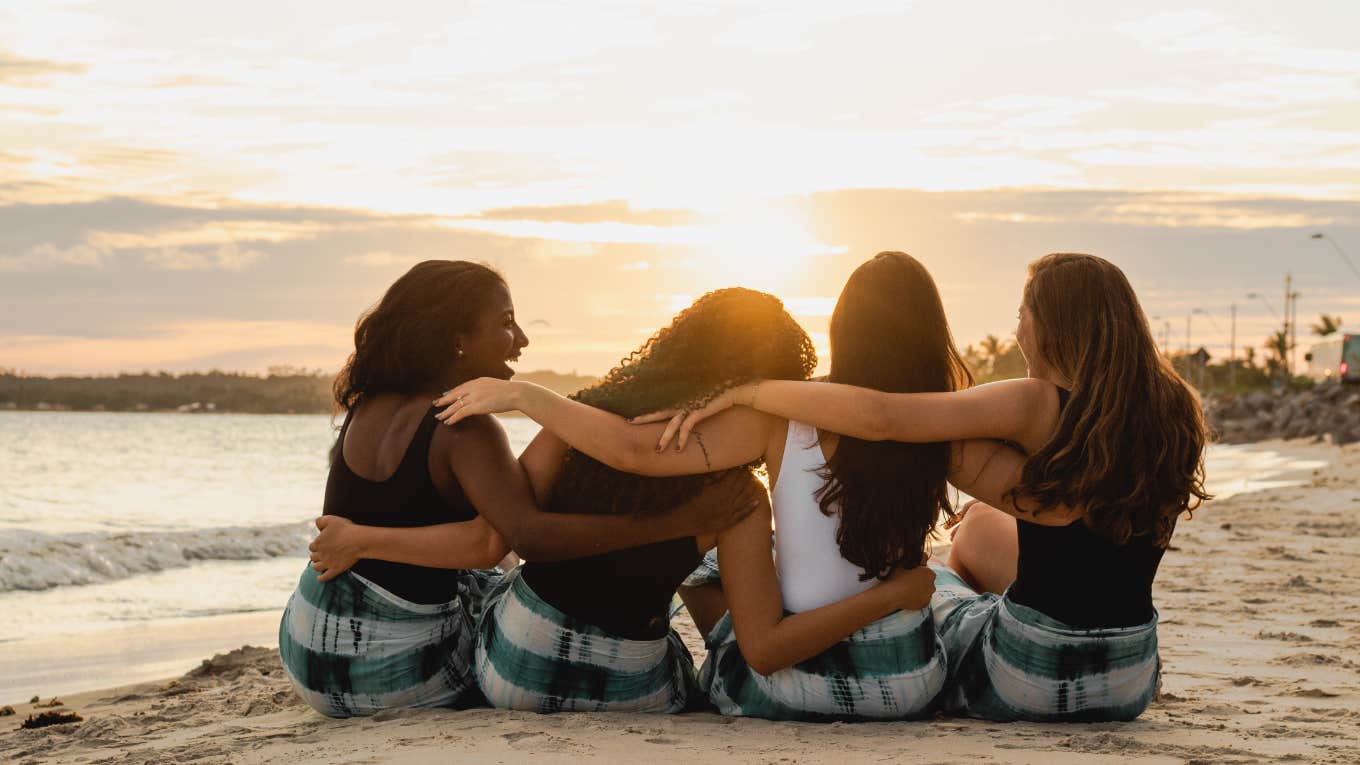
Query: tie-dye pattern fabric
1010, 662
353, 648
892, 669
531, 656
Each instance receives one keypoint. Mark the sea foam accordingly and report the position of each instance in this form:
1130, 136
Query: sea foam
32, 560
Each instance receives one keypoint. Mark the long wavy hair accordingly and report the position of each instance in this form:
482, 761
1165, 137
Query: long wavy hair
400, 342
889, 333
725, 338
1129, 446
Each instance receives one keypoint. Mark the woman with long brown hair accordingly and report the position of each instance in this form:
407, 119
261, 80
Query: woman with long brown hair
846, 513
384, 634
1046, 607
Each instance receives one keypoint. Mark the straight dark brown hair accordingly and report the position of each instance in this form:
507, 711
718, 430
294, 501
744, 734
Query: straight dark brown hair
889, 333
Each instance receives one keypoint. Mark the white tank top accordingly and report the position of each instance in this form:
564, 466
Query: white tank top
812, 572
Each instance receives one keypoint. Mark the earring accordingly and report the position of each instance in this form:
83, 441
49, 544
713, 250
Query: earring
459, 354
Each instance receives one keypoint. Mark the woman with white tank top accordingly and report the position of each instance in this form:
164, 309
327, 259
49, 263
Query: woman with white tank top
812, 571
839, 629
892, 668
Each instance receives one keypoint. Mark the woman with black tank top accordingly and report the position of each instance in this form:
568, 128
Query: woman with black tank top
1046, 605
593, 634
386, 634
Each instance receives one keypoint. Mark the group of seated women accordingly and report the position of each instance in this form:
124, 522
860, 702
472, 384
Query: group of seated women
819, 598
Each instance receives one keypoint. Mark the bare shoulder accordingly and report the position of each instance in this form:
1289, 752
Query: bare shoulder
1022, 390
479, 430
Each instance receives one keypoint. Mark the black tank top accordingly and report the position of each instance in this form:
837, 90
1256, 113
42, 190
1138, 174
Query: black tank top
1082, 579
625, 593
409, 498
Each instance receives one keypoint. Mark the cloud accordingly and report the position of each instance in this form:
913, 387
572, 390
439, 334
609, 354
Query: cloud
612, 211
1199, 32
119, 271
380, 259
49, 255
172, 237
228, 257
1168, 211
182, 346
29, 72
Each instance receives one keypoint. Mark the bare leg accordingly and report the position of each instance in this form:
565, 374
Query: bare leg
986, 549
706, 605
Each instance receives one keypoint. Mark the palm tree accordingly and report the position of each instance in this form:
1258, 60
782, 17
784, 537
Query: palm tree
1278, 344
1327, 325
991, 349
1250, 354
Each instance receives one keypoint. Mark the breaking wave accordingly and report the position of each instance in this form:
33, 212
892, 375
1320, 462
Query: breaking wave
34, 561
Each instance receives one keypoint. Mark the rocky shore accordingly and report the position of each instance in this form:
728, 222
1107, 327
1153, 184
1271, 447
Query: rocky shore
1328, 410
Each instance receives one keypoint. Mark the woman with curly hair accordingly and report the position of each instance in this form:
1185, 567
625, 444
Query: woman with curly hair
385, 634
847, 513
1046, 607
593, 634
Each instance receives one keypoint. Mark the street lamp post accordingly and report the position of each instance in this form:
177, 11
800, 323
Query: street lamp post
1232, 338
1288, 297
1335, 246
1232, 349
1262, 298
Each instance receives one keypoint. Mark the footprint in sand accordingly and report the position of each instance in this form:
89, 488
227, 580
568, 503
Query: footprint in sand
1314, 693
1288, 637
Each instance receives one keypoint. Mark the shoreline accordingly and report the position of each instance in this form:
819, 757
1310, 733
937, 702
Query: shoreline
154, 652
161, 649
1260, 627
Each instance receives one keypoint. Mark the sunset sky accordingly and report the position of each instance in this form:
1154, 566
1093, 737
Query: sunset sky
191, 185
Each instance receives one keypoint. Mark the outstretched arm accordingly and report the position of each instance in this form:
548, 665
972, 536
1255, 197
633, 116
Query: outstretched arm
769, 640
1022, 411
729, 440
497, 486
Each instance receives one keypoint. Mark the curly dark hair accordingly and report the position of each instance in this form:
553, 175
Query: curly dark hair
725, 338
889, 333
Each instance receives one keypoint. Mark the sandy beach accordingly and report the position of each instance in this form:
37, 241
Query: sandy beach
1260, 641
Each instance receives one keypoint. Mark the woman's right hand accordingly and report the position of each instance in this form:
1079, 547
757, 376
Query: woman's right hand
337, 548
909, 589
721, 505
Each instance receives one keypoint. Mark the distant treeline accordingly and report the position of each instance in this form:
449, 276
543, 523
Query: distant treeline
303, 391
285, 390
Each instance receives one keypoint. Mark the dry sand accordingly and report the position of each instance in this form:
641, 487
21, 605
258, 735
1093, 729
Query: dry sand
1260, 643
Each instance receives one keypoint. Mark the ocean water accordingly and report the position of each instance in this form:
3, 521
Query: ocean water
112, 519
115, 519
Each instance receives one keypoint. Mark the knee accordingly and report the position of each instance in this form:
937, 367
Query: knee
981, 525
982, 518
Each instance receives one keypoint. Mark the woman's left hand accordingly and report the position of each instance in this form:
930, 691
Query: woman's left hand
336, 549
485, 395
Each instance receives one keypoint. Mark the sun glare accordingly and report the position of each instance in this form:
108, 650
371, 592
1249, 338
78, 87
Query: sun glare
766, 250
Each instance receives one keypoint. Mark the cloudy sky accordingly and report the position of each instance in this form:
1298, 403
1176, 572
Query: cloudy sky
189, 185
